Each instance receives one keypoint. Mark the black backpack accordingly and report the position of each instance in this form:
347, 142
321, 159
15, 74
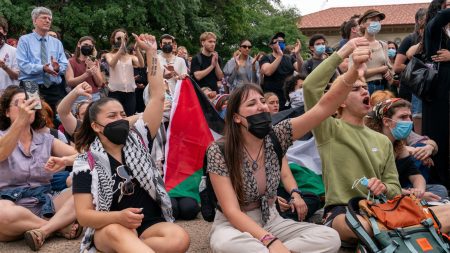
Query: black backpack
208, 198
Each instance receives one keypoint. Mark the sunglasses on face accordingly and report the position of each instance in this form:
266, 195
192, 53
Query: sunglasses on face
126, 187
245, 46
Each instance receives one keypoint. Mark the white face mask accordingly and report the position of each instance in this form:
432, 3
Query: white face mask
448, 31
296, 98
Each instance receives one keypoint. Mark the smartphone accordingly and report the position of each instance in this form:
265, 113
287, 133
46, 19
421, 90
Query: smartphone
170, 68
32, 91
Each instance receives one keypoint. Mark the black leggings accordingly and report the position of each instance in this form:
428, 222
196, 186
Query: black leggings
127, 99
185, 208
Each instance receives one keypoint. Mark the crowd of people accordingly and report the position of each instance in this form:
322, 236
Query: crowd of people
88, 155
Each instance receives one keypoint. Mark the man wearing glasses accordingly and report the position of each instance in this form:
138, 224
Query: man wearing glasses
277, 66
242, 68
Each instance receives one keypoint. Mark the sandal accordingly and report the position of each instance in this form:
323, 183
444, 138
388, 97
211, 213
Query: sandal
34, 238
67, 232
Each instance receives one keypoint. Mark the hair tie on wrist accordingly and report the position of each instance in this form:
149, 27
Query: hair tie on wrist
270, 243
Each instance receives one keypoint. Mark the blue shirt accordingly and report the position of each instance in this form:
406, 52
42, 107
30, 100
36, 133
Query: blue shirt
28, 57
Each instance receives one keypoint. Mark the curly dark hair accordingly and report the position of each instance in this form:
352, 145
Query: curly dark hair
375, 121
290, 83
5, 101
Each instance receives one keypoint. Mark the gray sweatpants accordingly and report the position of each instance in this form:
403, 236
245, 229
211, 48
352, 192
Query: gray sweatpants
296, 236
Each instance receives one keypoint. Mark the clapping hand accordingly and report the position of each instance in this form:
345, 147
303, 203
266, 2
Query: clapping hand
55, 64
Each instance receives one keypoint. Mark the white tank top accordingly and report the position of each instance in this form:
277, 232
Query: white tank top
121, 77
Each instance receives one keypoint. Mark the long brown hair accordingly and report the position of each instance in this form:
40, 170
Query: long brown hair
233, 138
86, 135
386, 109
112, 39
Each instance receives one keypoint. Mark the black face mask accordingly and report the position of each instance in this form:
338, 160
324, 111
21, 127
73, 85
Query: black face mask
117, 131
259, 124
117, 44
86, 50
167, 48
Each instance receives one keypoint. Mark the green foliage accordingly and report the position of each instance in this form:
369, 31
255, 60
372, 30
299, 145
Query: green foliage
230, 20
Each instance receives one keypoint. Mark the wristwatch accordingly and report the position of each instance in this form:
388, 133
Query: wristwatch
296, 190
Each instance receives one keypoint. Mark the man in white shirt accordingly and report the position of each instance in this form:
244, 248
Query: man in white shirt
174, 67
9, 71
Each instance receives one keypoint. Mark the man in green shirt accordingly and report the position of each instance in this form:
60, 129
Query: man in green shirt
349, 150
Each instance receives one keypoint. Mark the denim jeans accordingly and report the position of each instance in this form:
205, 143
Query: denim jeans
374, 86
416, 109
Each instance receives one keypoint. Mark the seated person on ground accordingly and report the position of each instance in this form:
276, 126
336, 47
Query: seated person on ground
119, 193
392, 117
27, 204
350, 150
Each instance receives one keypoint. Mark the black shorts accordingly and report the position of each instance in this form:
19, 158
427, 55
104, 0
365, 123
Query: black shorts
331, 212
148, 223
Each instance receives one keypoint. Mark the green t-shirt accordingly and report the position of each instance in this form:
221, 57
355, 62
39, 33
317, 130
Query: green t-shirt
348, 152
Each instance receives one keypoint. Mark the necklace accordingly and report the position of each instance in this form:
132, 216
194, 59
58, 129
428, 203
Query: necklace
254, 162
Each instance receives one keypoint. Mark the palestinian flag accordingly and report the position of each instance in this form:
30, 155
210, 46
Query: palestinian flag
194, 124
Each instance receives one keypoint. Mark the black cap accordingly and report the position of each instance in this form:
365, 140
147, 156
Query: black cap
277, 35
370, 14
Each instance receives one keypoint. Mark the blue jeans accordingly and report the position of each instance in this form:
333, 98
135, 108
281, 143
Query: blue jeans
374, 86
416, 109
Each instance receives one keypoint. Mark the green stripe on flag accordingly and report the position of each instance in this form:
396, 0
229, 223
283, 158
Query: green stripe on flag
189, 187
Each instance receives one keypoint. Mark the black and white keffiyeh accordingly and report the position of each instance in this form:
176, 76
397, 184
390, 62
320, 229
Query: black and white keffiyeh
143, 168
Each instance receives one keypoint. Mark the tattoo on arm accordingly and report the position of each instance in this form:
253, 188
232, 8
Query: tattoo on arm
154, 66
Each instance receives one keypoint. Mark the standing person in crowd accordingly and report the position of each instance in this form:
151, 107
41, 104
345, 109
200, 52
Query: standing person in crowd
378, 75
317, 46
183, 54
119, 194
392, 117
9, 72
121, 81
205, 66
174, 67
242, 68
276, 67
27, 206
410, 40
350, 29
246, 174
437, 45
392, 51
401, 60
41, 58
273, 102
83, 67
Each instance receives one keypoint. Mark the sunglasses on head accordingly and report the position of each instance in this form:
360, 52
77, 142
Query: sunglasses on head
126, 187
245, 46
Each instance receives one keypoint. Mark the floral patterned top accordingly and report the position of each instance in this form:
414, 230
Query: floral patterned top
217, 165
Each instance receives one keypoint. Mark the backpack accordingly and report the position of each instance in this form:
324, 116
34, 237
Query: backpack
208, 198
403, 224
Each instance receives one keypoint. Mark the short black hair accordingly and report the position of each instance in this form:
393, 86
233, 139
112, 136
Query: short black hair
316, 37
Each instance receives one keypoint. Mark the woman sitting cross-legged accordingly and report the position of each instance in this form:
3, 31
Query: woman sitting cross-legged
246, 175
28, 206
119, 193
